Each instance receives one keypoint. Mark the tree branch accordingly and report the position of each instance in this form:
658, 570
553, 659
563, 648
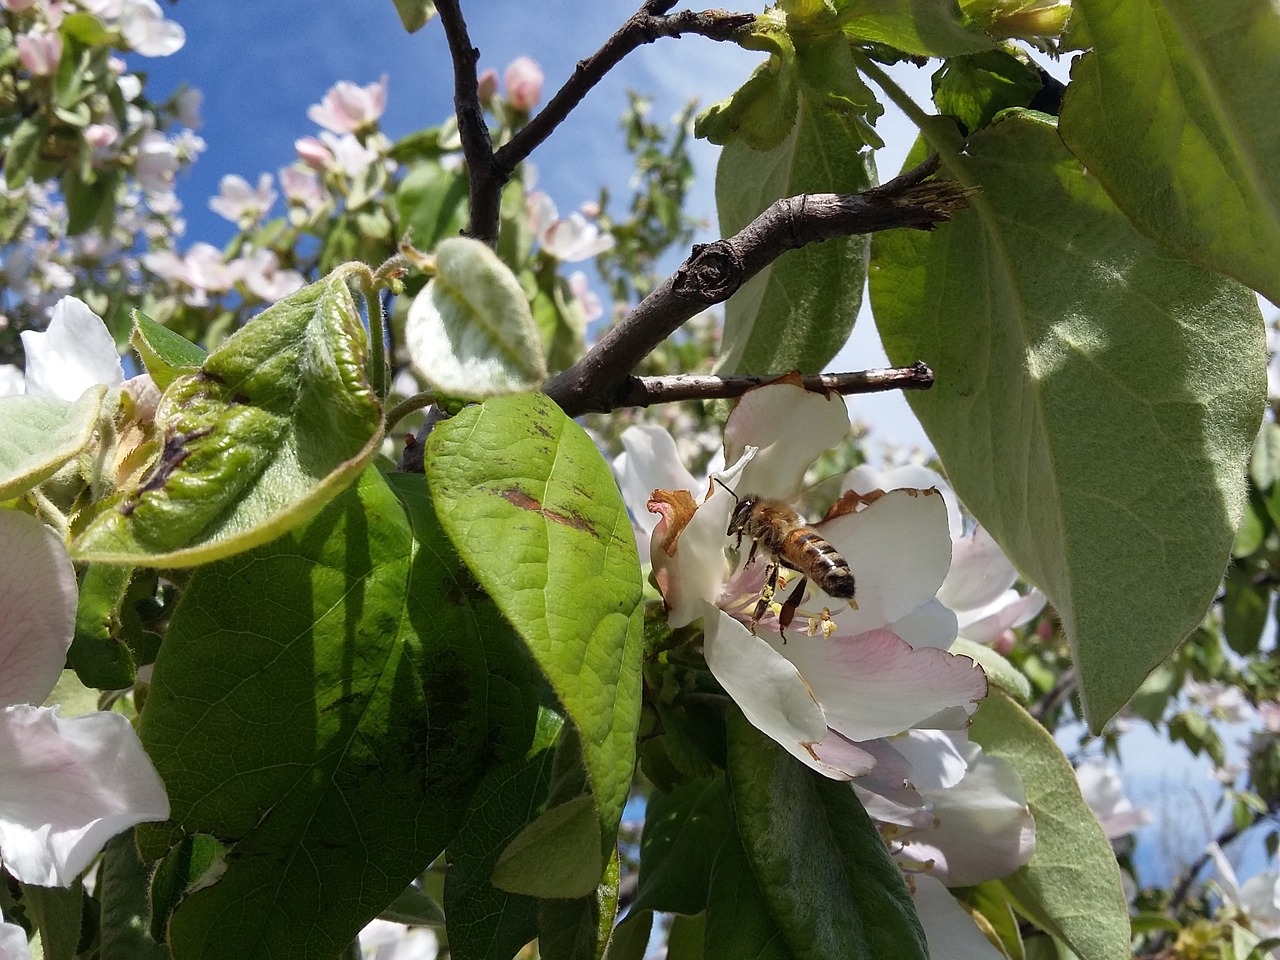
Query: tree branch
646, 391
715, 271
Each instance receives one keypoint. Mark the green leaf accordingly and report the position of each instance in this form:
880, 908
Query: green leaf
935, 29
88, 201
415, 14
974, 89
39, 434
277, 421
470, 332
797, 312
98, 654
123, 888
369, 686
682, 832
1246, 607
579, 929
166, 354
415, 908
739, 920
1264, 463
22, 152
1095, 398
56, 913
432, 203
531, 506
1166, 112
760, 113
1071, 885
485, 923
823, 870
630, 940
558, 855
998, 670
182, 864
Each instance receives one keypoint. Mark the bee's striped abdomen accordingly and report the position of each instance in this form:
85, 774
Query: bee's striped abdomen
808, 552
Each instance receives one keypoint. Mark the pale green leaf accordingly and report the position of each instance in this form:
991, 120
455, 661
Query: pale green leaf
1071, 886
415, 14
934, 29
39, 434
797, 312
1170, 113
470, 332
532, 508
998, 670
1095, 398
275, 422
558, 855
821, 865
415, 908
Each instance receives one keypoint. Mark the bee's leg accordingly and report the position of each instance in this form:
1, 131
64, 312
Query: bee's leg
751, 555
766, 595
788, 611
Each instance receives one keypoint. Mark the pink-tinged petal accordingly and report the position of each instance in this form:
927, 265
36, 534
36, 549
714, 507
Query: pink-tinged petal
876, 685
930, 625
767, 688
67, 787
936, 757
37, 608
890, 779
864, 478
649, 462
73, 354
791, 427
899, 551
980, 572
836, 757
13, 942
985, 829
1007, 612
948, 928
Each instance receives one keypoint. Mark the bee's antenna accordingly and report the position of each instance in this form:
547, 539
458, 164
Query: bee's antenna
723, 484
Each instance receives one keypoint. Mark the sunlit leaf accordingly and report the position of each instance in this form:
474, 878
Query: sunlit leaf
934, 29
166, 354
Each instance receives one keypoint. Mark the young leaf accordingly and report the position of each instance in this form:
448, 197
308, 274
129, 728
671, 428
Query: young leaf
558, 855
432, 203
1166, 113
370, 686
798, 311
822, 867
974, 89
936, 29
57, 913
682, 832
415, 14
39, 434
164, 353
532, 508
1071, 885
470, 332
1095, 399
277, 420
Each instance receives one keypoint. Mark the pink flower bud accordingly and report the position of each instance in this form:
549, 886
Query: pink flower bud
314, 153
523, 81
40, 52
487, 85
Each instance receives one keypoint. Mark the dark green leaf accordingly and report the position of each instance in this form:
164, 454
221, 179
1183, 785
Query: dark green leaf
88, 201
1071, 885
1245, 609
1095, 400
123, 888
579, 929
822, 867
57, 913
368, 686
630, 940
739, 920
432, 203
1169, 113
797, 312
22, 153
277, 420
532, 508
682, 832
184, 863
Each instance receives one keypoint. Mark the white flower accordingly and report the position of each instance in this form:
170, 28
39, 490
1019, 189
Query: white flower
13, 942
241, 203
383, 940
1258, 898
146, 30
571, 238
864, 674
349, 108
1226, 702
66, 785
262, 275
1103, 791
75, 352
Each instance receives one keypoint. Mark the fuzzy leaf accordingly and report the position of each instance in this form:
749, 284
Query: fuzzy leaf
39, 434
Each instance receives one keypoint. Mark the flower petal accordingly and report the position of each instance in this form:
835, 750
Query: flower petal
1008, 611
68, 786
876, 685
649, 462
864, 478
13, 942
73, 354
980, 572
985, 829
764, 685
37, 608
791, 426
948, 928
930, 625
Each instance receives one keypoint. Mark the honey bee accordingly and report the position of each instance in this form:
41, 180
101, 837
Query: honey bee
777, 528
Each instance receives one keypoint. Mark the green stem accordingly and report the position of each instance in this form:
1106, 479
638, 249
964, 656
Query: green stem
943, 146
379, 363
49, 513
406, 407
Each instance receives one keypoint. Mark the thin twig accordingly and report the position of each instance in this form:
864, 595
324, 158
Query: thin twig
715, 271
646, 391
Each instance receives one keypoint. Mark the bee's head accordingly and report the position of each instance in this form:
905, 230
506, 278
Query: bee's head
738, 519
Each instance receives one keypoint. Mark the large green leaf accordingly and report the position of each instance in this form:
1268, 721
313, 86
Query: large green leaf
823, 870
1071, 886
682, 832
39, 434
798, 311
532, 508
935, 28
367, 686
739, 920
1095, 396
1170, 113
276, 421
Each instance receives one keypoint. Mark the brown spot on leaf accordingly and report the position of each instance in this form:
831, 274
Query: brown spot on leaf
518, 498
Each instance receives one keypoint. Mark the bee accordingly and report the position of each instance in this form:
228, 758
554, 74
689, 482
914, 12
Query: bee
790, 543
